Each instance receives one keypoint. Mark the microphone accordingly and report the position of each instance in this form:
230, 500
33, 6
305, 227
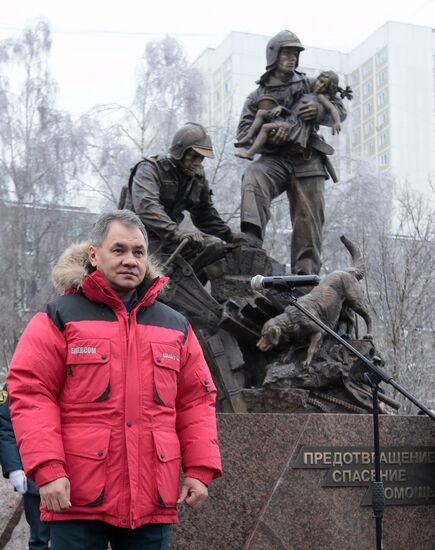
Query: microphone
283, 282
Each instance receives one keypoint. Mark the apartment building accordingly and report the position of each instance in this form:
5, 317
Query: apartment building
391, 120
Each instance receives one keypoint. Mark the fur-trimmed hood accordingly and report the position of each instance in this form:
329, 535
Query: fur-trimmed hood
73, 266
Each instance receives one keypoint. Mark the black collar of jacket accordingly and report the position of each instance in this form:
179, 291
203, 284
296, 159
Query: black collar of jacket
143, 288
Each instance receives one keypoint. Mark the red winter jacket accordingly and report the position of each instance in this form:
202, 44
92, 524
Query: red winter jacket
115, 402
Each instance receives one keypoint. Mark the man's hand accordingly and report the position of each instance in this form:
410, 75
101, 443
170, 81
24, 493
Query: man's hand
195, 237
239, 238
308, 112
18, 481
55, 496
280, 136
193, 492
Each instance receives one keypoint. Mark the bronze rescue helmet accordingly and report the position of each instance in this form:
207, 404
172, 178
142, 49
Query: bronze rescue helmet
284, 39
191, 136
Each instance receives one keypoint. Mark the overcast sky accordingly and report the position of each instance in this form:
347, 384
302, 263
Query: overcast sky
96, 44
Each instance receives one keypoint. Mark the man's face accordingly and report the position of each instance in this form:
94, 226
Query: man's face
191, 162
287, 60
122, 258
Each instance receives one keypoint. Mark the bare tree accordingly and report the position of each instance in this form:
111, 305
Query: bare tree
36, 149
225, 171
396, 233
358, 208
104, 156
113, 137
36, 166
401, 290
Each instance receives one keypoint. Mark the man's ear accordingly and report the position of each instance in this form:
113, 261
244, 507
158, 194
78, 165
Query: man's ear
92, 252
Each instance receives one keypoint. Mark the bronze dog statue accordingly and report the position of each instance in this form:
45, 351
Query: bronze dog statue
325, 302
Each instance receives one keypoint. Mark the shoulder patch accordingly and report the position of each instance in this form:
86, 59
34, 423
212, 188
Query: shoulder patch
3, 397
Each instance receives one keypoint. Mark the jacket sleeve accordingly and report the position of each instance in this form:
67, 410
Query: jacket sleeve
35, 379
248, 114
196, 415
145, 195
9, 455
206, 218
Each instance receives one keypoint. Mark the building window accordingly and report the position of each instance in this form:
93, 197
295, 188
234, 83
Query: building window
227, 87
369, 148
355, 96
354, 78
368, 108
367, 68
382, 119
383, 139
384, 159
369, 128
226, 66
381, 78
382, 98
367, 88
381, 57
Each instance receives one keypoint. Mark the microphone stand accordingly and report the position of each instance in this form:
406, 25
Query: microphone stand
373, 377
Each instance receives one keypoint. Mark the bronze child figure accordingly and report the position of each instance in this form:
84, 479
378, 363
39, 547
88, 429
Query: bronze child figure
268, 120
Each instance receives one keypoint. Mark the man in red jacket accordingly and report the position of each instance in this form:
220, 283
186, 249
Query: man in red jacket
109, 395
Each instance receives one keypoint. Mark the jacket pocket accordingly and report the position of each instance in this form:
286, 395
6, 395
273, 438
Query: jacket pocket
88, 371
166, 368
86, 450
167, 468
205, 380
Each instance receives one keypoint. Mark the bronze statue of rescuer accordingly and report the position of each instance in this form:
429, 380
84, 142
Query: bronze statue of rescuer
162, 187
284, 166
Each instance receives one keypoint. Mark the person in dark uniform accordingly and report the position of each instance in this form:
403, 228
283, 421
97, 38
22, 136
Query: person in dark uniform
13, 470
288, 167
162, 187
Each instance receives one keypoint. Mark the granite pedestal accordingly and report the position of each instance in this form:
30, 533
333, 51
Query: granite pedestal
264, 503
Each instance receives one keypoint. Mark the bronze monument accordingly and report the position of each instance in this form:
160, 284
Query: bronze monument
263, 356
